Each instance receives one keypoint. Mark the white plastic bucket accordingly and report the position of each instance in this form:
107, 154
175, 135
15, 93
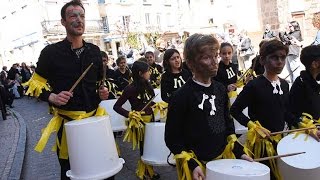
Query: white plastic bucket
239, 129
236, 169
92, 149
158, 97
155, 151
118, 122
303, 166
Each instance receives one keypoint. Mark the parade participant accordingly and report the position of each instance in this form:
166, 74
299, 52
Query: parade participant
266, 98
156, 69
138, 93
109, 76
227, 71
316, 24
198, 122
305, 92
60, 65
122, 74
269, 33
174, 76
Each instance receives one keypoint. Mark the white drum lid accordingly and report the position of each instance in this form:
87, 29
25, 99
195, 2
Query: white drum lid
238, 167
88, 120
308, 160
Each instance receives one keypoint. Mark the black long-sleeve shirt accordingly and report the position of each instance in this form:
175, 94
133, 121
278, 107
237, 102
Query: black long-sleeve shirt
122, 79
130, 93
268, 108
191, 127
227, 74
170, 82
156, 71
305, 96
61, 66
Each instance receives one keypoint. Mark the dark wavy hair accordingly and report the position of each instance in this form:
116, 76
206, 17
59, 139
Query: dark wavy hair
272, 46
310, 54
142, 85
166, 58
71, 3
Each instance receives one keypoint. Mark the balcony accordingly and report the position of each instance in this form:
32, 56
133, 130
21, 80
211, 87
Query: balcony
52, 28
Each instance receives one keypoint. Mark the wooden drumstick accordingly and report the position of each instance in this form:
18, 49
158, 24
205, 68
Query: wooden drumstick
293, 130
278, 156
148, 103
79, 79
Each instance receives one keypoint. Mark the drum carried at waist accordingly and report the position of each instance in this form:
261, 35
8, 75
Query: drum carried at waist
92, 149
236, 169
155, 151
118, 122
303, 166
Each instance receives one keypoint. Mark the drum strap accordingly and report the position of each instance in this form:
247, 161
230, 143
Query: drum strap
36, 84
56, 122
227, 153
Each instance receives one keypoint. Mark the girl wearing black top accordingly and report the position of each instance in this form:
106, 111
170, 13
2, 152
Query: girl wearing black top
138, 93
227, 72
174, 76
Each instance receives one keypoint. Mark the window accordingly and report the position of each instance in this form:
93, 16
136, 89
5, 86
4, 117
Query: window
211, 21
126, 21
147, 16
159, 18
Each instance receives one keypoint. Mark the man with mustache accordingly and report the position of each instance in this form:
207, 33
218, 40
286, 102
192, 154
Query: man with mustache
60, 65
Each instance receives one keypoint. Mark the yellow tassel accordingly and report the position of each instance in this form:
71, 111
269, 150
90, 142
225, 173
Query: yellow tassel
144, 170
307, 122
160, 107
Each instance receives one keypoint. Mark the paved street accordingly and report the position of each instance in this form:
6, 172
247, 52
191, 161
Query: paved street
45, 165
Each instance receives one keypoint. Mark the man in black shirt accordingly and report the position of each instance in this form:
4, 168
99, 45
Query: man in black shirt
60, 65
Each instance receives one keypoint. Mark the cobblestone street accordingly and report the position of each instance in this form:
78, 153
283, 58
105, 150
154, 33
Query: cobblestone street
46, 166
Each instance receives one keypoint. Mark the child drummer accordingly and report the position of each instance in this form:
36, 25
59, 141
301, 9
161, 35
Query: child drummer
267, 100
139, 93
305, 92
198, 121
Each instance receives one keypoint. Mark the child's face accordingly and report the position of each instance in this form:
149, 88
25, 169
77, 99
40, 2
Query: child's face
122, 64
206, 64
175, 61
145, 75
275, 62
226, 54
150, 58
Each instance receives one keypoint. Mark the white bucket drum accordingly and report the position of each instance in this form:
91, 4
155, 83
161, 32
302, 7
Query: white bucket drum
236, 169
239, 129
303, 166
118, 122
92, 149
158, 97
155, 151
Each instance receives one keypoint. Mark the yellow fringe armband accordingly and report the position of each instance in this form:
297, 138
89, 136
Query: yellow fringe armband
160, 107
36, 84
184, 173
257, 143
135, 129
54, 125
306, 122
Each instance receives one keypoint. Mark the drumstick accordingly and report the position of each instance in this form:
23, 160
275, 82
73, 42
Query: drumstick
293, 130
104, 76
79, 79
278, 156
148, 103
292, 72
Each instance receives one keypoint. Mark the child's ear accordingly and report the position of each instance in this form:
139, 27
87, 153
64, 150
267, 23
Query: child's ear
315, 64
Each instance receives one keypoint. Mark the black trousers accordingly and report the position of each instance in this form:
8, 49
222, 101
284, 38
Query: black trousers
64, 163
